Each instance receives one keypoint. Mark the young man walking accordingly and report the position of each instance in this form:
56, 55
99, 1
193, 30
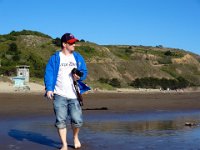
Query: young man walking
59, 85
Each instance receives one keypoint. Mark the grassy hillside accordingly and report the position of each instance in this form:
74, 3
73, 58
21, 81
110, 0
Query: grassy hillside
107, 64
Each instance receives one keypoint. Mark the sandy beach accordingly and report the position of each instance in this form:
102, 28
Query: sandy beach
8, 87
13, 104
122, 100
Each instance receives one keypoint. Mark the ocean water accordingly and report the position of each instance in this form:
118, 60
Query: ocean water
108, 130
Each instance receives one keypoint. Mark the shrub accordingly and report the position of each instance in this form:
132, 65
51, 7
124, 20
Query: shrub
16, 57
168, 53
159, 46
115, 82
29, 32
103, 80
8, 70
82, 40
57, 41
128, 51
182, 82
13, 48
37, 65
150, 82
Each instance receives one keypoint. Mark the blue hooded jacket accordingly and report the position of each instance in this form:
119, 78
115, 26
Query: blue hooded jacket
52, 68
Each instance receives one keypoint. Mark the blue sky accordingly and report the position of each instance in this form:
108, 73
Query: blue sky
171, 23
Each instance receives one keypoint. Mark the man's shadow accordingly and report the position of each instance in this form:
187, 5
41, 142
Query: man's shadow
33, 137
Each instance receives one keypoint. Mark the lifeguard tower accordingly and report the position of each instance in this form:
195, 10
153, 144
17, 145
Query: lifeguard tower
22, 78
23, 71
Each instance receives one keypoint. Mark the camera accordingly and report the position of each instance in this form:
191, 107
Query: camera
77, 72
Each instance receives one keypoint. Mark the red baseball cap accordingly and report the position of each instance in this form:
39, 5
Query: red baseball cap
68, 38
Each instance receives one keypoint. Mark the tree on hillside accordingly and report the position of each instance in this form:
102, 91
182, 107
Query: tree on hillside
28, 32
115, 82
159, 46
128, 51
150, 82
168, 53
13, 48
16, 57
183, 83
37, 65
82, 40
57, 41
103, 80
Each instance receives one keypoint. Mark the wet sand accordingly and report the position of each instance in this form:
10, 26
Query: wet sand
36, 104
27, 121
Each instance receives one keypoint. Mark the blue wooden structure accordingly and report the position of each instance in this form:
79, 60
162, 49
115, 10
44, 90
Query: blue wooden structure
19, 83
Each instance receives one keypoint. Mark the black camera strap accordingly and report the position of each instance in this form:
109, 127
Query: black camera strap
79, 96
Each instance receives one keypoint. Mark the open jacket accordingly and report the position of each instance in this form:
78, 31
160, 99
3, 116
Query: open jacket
52, 68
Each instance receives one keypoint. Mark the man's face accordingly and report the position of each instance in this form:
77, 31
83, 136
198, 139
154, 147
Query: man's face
70, 46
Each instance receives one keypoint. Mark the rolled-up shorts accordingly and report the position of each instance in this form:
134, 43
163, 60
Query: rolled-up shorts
67, 109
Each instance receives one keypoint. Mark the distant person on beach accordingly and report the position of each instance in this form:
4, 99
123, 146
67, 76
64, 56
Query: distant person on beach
59, 85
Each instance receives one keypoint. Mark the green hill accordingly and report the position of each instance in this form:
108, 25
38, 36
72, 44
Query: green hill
109, 65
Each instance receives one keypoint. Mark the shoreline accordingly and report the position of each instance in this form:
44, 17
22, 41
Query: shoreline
34, 88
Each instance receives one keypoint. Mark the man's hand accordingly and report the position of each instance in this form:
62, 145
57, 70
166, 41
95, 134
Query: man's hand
76, 77
50, 95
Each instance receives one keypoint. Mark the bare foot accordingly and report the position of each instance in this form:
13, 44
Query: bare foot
64, 148
77, 143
